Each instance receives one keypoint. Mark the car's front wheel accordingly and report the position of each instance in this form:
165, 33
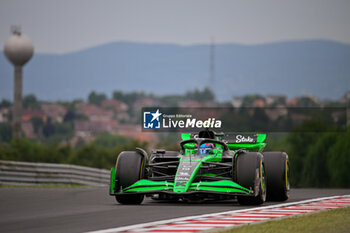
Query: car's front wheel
129, 169
250, 173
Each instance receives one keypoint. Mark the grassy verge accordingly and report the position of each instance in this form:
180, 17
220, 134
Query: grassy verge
45, 186
334, 221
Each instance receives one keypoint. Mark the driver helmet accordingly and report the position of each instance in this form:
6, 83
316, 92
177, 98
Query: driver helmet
206, 148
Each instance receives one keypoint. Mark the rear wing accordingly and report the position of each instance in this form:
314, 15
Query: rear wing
237, 141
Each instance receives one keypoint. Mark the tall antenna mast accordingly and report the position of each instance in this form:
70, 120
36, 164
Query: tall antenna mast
212, 66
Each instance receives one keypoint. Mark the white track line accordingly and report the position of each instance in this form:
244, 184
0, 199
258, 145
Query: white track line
271, 209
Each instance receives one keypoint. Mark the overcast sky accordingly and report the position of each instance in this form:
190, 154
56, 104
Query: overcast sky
61, 26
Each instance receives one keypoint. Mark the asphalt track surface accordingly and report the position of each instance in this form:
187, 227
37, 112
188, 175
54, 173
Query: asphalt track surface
87, 209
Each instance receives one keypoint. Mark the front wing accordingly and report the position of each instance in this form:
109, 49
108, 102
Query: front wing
223, 187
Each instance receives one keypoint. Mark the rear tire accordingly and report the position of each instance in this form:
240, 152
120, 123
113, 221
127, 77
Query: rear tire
250, 173
277, 166
129, 169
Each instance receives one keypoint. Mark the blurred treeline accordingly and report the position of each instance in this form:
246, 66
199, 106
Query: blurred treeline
318, 156
100, 153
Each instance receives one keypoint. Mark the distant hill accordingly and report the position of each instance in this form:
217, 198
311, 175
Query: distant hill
321, 68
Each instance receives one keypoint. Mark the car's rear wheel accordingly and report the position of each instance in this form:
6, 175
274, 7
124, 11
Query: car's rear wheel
277, 175
250, 173
129, 169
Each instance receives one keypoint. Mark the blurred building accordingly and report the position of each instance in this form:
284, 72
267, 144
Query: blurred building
237, 102
273, 100
190, 104
29, 114
258, 103
55, 112
28, 130
88, 128
292, 102
115, 105
95, 113
276, 112
5, 115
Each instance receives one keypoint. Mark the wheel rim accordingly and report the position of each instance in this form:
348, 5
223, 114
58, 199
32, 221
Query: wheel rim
287, 177
262, 182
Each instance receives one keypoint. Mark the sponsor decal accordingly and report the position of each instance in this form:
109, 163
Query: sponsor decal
243, 139
184, 174
180, 184
185, 170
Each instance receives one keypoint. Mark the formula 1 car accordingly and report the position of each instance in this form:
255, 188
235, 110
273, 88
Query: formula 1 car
209, 166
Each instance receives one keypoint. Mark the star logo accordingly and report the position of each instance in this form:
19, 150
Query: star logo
156, 115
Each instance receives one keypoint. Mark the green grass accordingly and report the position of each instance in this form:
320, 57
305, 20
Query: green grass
334, 221
45, 186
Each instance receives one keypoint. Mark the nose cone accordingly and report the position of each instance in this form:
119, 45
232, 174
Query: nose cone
19, 49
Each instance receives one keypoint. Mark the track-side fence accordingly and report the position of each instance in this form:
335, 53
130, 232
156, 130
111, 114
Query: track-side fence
26, 173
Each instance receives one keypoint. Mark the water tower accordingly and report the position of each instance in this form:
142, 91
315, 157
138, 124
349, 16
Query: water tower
18, 50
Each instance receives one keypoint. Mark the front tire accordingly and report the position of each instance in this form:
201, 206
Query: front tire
250, 173
130, 199
129, 169
277, 169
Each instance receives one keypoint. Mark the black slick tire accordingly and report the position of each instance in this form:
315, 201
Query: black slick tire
129, 169
276, 169
250, 173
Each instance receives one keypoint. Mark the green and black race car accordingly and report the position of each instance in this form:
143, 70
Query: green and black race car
209, 166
